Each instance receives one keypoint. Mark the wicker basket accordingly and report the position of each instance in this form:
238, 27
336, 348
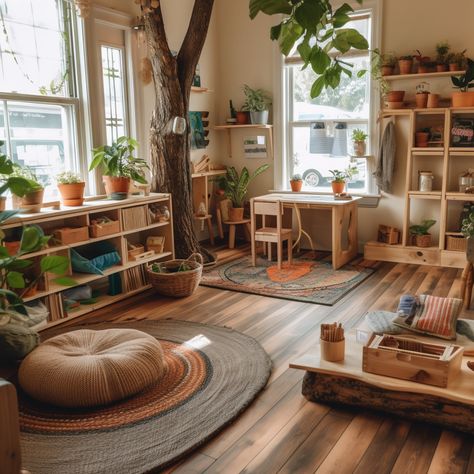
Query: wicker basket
456, 243
177, 284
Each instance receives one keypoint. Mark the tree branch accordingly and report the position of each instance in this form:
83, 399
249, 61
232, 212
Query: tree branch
193, 43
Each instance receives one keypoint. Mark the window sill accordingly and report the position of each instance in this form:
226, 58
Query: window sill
368, 200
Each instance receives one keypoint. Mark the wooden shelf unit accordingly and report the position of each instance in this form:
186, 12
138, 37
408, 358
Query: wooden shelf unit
448, 157
50, 294
267, 128
425, 75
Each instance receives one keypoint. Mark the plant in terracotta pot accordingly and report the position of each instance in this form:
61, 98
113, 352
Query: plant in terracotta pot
422, 138
424, 63
243, 117
296, 183
420, 235
71, 187
405, 64
236, 187
388, 64
464, 98
442, 54
457, 61
359, 138
257, 102
339, 179
377, 71
421, 97
30, 201
9, 182
119, 166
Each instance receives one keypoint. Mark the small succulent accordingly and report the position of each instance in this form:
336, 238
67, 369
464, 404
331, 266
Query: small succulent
422, 229
359, 135
68, 177
296, 177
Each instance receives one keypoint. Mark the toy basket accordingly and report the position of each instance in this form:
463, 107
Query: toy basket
456, 243
177, 284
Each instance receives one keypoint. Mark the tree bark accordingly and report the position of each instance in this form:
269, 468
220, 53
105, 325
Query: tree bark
170, 153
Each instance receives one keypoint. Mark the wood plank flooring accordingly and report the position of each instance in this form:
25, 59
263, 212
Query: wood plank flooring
281, 431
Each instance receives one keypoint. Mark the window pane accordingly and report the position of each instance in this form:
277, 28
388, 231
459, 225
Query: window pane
114, 102
33, 46
39, 139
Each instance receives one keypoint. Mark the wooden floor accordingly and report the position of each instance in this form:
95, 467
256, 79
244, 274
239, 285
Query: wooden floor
281, 431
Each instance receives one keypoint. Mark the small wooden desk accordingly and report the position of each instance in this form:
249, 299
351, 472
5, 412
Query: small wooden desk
340, 211
346, 383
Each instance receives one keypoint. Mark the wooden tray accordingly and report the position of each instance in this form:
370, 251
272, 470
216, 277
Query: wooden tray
406, 359
100, 230
71, 235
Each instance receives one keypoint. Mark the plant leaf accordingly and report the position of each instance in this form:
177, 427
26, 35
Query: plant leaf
56, 264
65, 281
15, 280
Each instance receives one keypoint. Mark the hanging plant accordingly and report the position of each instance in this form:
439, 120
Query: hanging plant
317, 30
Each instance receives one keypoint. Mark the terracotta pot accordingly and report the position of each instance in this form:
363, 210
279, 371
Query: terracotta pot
433, 101
72, 194
30, 202
387, 70
296, 185
441, 67
421, 100
243, 118
236, 214
423, 69
421, 139
360, 148
463, 99
13, 247
454, 67
338, 187
423, 240
3, 201
395, 96
405, 66
116, 184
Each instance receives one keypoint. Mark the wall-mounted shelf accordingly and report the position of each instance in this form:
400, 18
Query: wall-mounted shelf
426, 75
200, 90
268, 129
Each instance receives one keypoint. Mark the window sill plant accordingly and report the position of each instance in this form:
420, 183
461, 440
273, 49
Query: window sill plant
420, 235
339, 179
296, 183
119, 166
359, 138
71, 187
235, 188
256, 102
31, 200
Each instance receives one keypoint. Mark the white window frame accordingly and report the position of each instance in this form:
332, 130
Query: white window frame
283, 109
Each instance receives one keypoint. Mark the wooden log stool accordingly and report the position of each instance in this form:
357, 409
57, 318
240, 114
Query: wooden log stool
223, 218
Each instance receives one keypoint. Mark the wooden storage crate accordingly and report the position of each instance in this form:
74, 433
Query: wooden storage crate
71, 235
456, 243
101, 230
156, 243
388, 235
414, 360
132, 253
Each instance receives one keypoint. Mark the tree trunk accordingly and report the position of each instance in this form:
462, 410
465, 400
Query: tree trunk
170, 153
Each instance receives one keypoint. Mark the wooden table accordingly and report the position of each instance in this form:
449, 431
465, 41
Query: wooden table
346, 383
341, 212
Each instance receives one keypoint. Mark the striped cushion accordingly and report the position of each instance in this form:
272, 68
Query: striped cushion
437, 316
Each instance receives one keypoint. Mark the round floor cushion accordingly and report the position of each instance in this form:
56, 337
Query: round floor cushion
87, 368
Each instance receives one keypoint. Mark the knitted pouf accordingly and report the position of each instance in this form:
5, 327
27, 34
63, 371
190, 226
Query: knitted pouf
89, 368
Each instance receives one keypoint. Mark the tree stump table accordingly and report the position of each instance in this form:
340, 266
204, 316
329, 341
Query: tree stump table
344, 383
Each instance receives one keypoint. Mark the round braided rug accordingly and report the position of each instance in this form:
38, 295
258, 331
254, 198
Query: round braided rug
213, 374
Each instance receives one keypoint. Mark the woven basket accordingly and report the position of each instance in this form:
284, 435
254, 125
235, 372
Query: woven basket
178, 284
456, 243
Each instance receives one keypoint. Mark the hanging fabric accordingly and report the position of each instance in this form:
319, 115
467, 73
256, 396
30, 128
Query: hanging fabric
386, 160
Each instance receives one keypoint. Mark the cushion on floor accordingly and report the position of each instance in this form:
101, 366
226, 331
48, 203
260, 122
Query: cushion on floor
87, 368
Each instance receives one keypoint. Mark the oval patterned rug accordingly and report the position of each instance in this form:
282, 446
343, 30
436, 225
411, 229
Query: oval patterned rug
213, 374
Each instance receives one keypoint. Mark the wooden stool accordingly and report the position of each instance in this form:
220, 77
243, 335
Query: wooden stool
232, 228
467, 283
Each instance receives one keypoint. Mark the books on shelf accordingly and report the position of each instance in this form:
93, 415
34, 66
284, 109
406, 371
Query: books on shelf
134, 278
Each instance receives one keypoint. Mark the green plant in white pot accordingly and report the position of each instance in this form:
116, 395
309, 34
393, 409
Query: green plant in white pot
257, 102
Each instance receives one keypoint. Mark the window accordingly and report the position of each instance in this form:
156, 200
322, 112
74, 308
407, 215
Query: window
38, 104
319, 131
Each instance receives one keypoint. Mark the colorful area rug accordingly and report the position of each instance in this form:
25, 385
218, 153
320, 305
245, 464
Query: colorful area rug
308, 279
213, 374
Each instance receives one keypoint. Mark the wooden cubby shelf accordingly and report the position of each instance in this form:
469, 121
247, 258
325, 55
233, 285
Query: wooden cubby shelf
135, 219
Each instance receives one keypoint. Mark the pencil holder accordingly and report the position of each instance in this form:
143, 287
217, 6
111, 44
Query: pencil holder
332, 351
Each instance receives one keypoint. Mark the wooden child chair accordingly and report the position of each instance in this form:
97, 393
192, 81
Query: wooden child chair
269, 234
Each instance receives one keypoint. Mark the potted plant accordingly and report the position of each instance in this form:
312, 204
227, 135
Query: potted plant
425, 64
339, 179
442, 52
71, 187
8, 181
359, 138
457, 61
395, 96
296, 183
405, 64
420, 235
377, 71
257, 102
235, 187
422, 138
467, 230
119, 166
421, 96
388, 61
464, 98
243, 117
31, 200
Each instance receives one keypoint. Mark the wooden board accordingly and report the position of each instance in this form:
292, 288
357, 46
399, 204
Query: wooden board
10, 456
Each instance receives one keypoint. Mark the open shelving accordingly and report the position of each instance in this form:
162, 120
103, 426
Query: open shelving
266, 127
137, 219
444, 202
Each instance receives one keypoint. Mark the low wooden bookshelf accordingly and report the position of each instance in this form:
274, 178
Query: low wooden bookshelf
135, 220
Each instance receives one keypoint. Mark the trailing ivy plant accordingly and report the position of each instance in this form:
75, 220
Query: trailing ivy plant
318, 30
